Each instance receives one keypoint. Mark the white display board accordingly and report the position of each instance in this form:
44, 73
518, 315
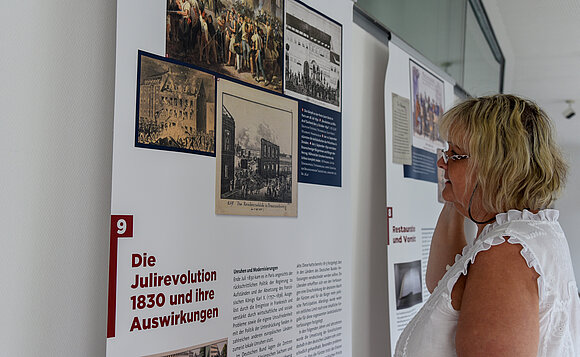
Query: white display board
184, 279
412, 205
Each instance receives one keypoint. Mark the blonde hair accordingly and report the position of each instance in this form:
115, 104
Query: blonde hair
512, 151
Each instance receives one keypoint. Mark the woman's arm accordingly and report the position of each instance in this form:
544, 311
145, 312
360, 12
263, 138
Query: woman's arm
448, 240
499, 314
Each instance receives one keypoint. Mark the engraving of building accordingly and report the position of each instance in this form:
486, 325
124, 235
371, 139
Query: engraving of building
174, 105
269, 159
228, 151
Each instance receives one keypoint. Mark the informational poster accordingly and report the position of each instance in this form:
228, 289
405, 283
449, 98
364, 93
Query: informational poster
427, 103
412, 204
216, 248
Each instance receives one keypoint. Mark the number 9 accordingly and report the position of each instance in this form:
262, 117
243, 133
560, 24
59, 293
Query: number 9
122, 226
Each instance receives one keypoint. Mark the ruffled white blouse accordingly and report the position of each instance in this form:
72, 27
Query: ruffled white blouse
432, 331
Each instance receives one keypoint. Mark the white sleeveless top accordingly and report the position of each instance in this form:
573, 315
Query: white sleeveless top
432, 331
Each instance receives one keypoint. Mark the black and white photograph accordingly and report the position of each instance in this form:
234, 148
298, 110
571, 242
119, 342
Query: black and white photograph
239, 38
257, 160
212, 349
175, 107
313, 53
408, 284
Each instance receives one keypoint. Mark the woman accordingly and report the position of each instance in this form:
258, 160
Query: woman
511, 292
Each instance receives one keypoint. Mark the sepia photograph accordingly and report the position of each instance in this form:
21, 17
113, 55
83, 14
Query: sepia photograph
239, 38
313, 45
175, 107
212, 349
257, 152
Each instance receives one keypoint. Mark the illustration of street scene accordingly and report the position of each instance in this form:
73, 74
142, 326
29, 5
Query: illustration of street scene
240, 38
256, 153
176, 107
313, 45
214, 349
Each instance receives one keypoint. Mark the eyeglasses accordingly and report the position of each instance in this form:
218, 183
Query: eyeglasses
453, 157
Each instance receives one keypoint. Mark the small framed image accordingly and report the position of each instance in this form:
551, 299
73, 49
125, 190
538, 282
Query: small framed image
256, 172
427, 103
313, 47
239, 39
408, 284
175, 106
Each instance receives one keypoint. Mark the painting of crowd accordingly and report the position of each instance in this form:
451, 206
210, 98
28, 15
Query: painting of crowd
242, 39
156, 134
176, 107
249, 185
426, 114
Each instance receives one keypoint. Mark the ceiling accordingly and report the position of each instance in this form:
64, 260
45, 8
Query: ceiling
540, 40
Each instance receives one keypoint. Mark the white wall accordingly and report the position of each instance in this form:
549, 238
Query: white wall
57, 69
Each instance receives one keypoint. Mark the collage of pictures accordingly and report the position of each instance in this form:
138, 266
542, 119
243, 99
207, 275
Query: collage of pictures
232, 84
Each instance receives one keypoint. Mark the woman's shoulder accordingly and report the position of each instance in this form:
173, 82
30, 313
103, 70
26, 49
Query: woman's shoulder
543, 245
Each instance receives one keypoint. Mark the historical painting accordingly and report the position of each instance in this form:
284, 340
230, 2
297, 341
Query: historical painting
239, 38
313, 45
175, 107
427, 105
257, 152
